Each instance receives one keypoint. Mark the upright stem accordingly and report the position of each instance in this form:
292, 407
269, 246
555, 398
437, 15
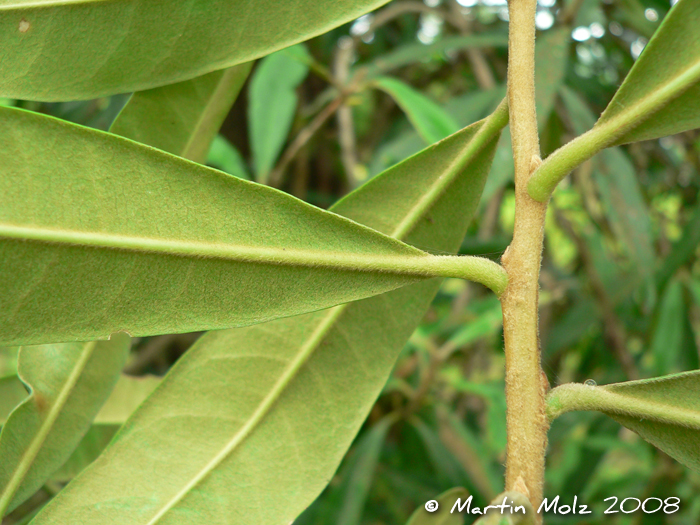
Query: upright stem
526, 384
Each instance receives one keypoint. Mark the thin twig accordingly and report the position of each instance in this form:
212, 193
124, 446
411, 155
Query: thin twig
346, 126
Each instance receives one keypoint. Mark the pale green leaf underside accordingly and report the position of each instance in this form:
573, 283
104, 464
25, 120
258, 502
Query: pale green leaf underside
302, 386
442, 516
659, 97
69, 383
665, 410
668, 69
125, 397
57, 50
99, 234
182, 118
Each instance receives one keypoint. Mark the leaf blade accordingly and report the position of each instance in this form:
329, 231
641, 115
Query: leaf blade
272, 103
122, 262
182, 118
41, 433
134, 46
430, 121
352, 347
665, 411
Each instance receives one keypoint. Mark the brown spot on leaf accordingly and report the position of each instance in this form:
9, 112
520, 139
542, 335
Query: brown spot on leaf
24, 25
42, 404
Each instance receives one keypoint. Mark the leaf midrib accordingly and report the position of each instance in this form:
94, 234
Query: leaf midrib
412, 262
601, 399
47, 425
606, 133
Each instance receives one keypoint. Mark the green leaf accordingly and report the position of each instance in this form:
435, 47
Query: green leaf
125, 398
412, 53
664, 410
667, 342
88, 247
442, 515
225, 157
12, 393
683, 249
664, 82
659, 97
302, 386
272, 103
42, 432
431, 122
182, 118
133, 46
551, 55
362, 473
625, 207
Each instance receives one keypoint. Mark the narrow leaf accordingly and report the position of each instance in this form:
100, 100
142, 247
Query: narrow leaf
133, 46
659, 97
667, 343
362, 474
429, 119
665, 410
225, 157
551, 55
124, 237
412, 53
272, 103
625, 207
42, 432
182, 118
664, 82
441, 516
311, 379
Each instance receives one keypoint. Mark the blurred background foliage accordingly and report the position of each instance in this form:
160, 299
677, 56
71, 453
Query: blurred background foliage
620, 281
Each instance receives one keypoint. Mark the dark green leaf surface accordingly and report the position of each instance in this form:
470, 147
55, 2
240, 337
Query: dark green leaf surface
272, 103
99, 234
182, 118
620, 191
42, 432
57, 50
664, 410
302, 386
667, 342
362, 473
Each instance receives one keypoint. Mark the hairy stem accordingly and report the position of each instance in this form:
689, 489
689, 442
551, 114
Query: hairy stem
526, 384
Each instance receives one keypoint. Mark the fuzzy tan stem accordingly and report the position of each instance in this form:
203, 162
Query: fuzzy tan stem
526, 385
